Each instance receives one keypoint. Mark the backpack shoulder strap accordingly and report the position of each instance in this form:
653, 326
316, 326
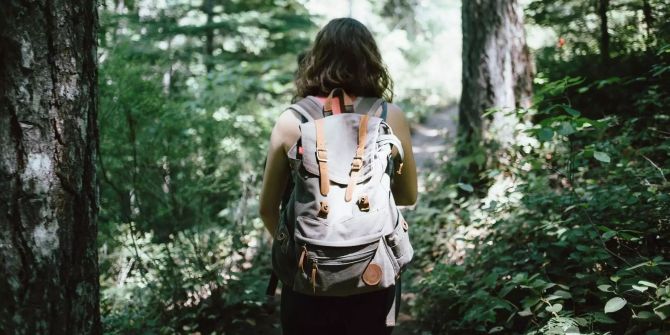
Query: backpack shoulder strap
308, 109
367, 105
370, 106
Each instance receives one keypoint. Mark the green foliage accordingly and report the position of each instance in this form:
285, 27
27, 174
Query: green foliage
576, 238
633, 25
188, 96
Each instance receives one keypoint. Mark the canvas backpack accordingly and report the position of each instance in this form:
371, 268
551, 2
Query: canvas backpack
340, 232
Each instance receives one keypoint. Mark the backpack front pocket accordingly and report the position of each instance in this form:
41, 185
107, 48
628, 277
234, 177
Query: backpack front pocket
357, 230
334, 271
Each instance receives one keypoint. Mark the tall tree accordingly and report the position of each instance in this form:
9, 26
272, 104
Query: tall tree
603, 8
48, 141
497, 69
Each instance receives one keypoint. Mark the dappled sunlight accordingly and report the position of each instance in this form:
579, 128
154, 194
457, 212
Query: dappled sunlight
526, 210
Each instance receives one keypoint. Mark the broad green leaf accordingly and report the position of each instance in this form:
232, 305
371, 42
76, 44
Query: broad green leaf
563, 294
645, 315
525, 312
615, 304
640, 288
603, 318
553, 297
555, 308
609, 234
466, 187
605, 288
545, 135
646, 283
571, 111
566, 129
496, 330
601, 156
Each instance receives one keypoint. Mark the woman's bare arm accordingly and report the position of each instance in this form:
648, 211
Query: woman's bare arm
404, 186
276, 172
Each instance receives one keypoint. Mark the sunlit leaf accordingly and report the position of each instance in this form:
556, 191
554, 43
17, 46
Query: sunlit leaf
615, 304
601, 156
466, 187
605, 288
646, 283
555, 308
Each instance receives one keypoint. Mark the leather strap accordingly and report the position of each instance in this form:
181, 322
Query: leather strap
322, 158
357, 163
345, 100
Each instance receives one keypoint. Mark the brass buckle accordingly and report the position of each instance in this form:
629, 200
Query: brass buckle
357, 163
319, 157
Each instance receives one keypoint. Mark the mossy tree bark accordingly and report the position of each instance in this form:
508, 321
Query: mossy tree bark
497, 70
48, 147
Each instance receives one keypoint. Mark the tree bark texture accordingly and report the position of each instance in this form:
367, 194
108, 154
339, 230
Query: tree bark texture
497, 68
48, 147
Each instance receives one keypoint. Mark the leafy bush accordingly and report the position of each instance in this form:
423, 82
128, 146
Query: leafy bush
576, 240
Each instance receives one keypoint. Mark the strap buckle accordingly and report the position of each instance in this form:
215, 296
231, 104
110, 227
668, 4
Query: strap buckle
357, 163
319, 156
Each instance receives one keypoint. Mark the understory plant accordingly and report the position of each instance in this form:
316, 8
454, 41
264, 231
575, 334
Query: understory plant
577, 241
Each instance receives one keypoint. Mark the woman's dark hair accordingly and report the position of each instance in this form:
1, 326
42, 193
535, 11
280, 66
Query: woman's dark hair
344, 55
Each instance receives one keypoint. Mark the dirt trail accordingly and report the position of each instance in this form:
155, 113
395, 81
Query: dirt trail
430, 140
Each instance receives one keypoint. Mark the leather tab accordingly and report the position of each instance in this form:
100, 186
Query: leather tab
372, 275
364, 203
323, 209
328, 105
357, 162
322, 158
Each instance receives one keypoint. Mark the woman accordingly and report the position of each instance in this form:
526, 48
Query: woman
344, 55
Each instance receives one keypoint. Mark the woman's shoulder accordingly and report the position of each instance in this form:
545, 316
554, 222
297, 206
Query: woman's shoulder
287, 128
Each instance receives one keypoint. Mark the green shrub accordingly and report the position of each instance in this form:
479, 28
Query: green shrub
579, 242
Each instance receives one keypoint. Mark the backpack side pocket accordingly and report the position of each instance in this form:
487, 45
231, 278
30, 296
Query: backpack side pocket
398, 242
284, 263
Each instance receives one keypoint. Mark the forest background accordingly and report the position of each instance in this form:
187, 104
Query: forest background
546, 212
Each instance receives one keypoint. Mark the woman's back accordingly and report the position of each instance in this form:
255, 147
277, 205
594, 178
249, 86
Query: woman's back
344, 56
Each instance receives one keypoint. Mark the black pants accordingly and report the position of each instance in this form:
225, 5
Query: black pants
353, 315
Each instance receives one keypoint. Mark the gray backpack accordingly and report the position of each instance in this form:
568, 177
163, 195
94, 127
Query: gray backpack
340, 232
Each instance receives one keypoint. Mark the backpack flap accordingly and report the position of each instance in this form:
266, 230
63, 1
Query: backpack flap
340, 134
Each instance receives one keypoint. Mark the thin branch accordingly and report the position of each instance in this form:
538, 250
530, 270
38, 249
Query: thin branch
656, 166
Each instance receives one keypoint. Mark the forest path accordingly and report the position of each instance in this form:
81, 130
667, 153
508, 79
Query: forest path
430, 141
431, 138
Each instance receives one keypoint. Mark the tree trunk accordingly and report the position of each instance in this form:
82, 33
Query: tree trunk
48, 146
647, 11
497, 70
603, 7
208, 8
